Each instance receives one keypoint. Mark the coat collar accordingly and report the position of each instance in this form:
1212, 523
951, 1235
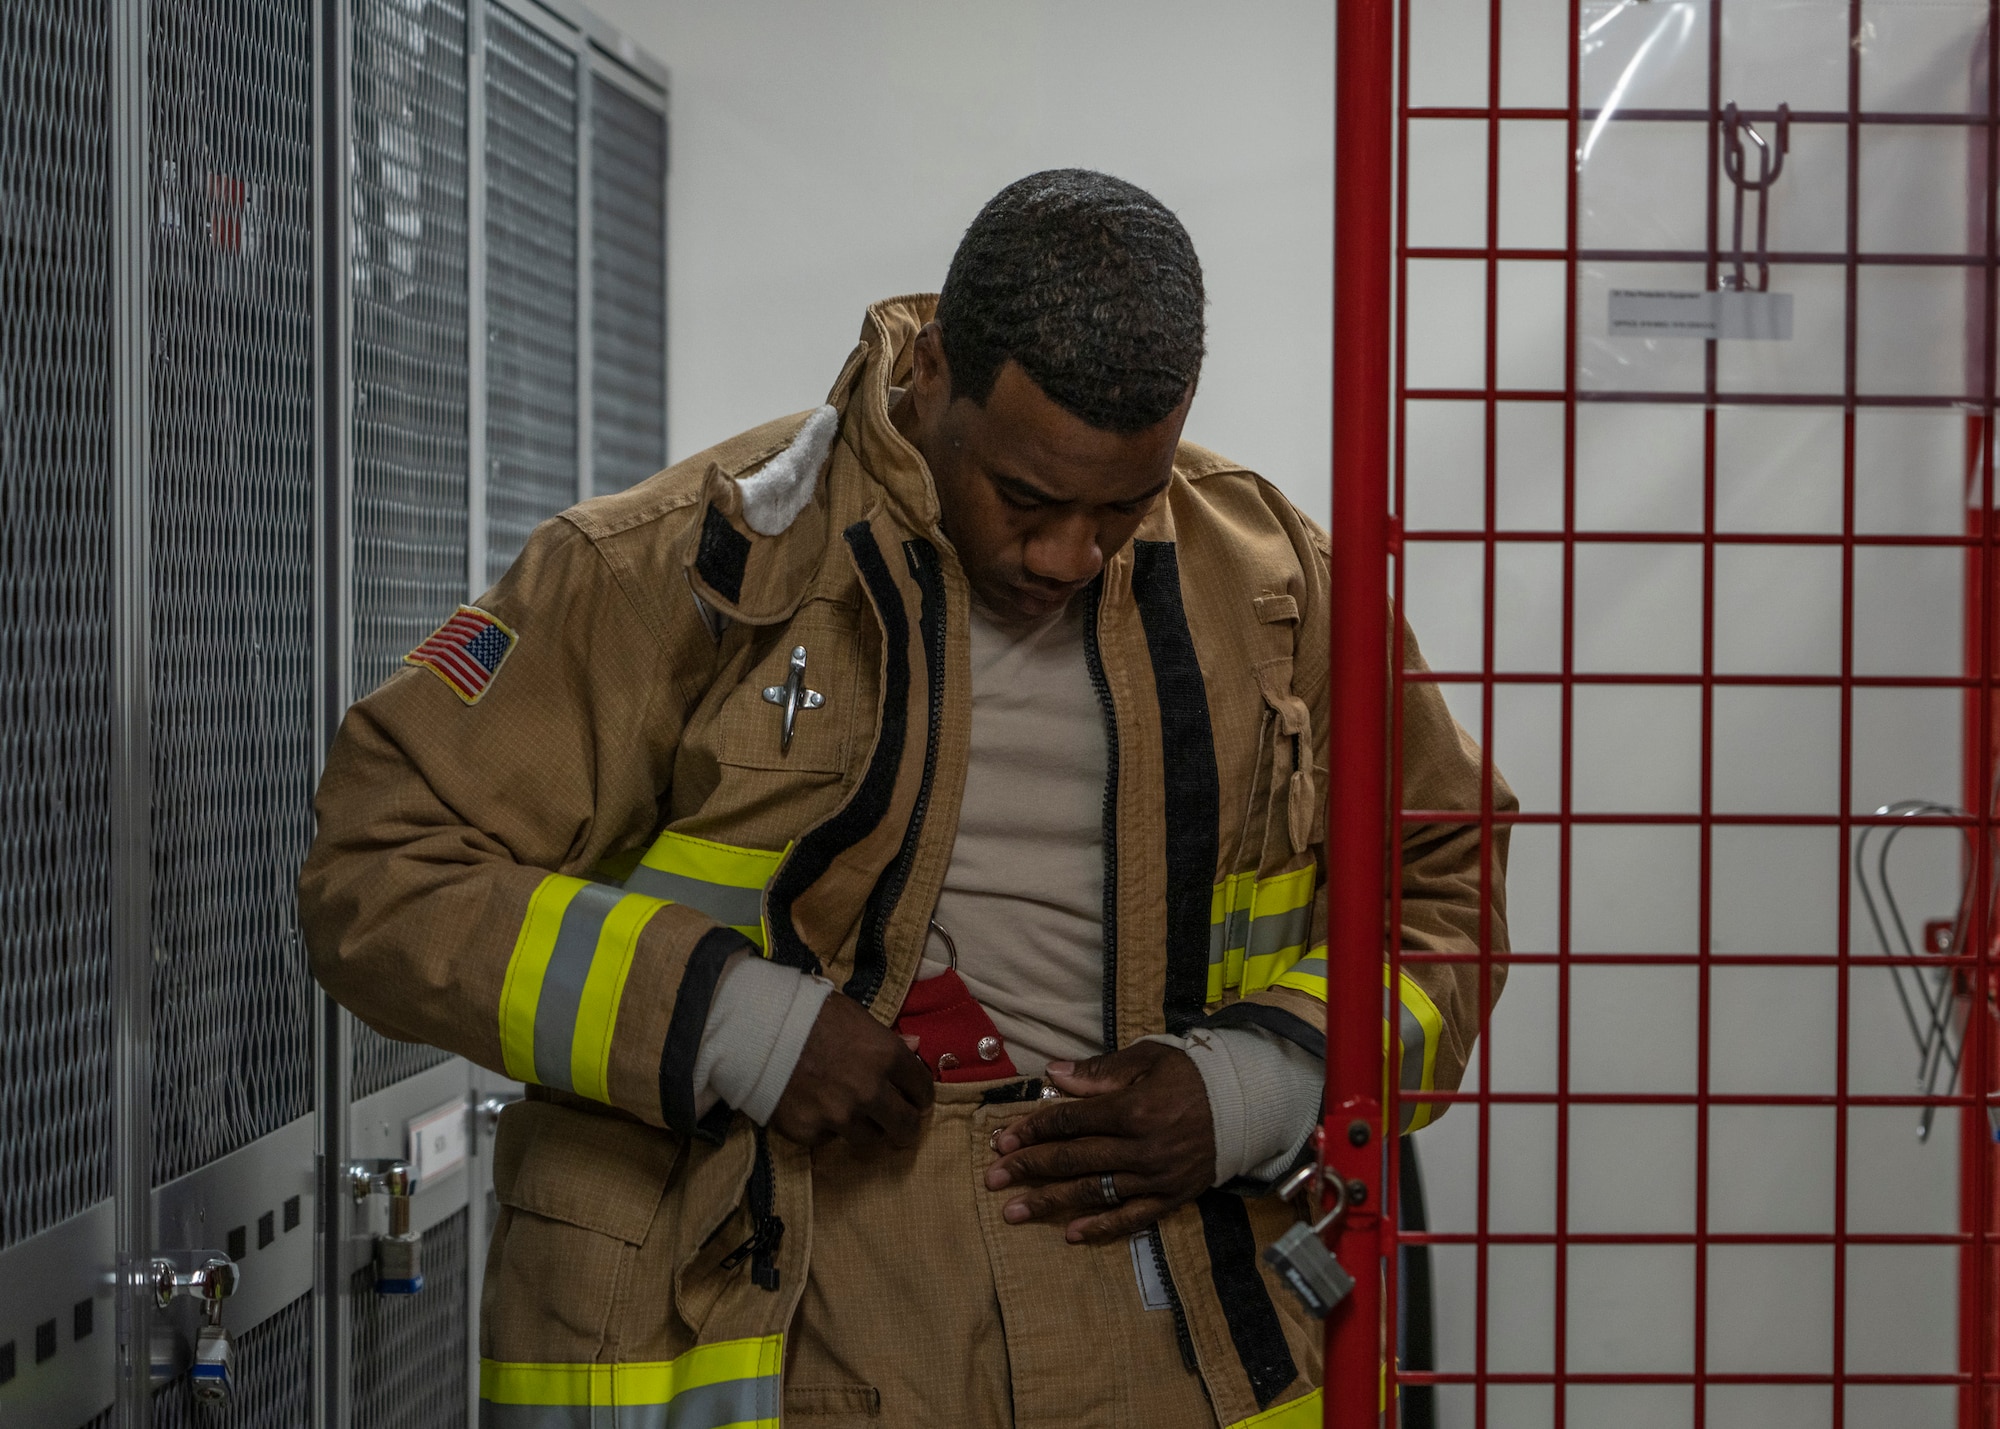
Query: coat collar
882, 361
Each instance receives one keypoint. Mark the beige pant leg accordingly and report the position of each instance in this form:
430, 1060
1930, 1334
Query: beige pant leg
1084, 1348
899, 1324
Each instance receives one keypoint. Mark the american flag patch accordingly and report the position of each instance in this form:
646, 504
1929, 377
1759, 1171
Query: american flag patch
466, 652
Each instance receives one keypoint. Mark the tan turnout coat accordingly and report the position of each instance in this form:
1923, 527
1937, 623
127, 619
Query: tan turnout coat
469, 853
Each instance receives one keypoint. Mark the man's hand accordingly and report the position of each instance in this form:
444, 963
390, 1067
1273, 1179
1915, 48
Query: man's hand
856, 1080
1141, 1113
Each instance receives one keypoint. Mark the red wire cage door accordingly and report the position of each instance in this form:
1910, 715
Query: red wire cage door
1664, 381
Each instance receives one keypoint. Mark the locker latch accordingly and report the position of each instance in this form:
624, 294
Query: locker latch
399, 1261
211, 1281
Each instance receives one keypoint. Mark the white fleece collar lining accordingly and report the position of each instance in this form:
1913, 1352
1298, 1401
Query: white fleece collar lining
774, 495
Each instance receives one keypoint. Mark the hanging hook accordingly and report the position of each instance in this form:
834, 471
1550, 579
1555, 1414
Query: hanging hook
1770, 163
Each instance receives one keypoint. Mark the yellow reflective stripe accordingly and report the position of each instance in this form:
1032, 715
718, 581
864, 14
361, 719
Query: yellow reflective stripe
1418, 1027
1280, 925
1228, 931
1423, 1024
534, 945
721, 880
634, 1385
1305, 1412
603, 989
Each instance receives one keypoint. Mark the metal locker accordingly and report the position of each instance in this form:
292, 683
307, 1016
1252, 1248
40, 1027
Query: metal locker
230, 682
628, 171
57, 978
254, 258
531, 279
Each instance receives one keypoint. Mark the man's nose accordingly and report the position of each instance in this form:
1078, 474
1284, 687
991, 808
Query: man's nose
1065, 552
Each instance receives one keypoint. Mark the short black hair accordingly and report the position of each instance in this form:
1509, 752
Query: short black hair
1091, 284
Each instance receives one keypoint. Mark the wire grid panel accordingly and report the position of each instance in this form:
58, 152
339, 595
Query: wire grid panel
409, 296
55, 593
531, 282
272, 1373
232, 572
628, 177
410, 1351
1694, 570
410, 394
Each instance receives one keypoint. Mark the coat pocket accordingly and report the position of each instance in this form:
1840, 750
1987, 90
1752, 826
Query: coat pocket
750, 727
580, 1196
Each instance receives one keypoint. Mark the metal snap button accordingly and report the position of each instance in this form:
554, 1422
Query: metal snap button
947, 1061
989, 1049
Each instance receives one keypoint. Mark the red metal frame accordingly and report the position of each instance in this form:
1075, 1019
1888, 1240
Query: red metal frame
1371, 401
1358, 747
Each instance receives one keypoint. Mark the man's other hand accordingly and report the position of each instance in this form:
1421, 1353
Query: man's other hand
1141, 1114
856, 1080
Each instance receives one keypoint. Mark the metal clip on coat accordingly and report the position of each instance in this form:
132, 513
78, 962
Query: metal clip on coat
398, 1254
793, 696
214, 1280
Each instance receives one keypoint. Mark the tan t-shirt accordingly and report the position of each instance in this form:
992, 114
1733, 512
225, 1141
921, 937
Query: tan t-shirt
1024, 896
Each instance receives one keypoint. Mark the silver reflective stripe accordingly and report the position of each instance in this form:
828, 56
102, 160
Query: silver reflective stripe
562, 984
1413, 1060
1314, 966
711, 1406
1274, 932
735, 907
1232, 932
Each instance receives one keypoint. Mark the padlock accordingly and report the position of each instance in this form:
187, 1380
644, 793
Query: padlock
210, 1282
399, 1262
399, 1254
1305, 1264
212, 1374
1301, 1258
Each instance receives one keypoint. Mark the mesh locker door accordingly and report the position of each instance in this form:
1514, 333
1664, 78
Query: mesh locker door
531, 282
409, 1354
410, 392
628, 176
55, 592
231, 624
232, 522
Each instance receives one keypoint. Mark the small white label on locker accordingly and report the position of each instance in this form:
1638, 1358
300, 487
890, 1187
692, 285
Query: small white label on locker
439, 1141
1652, 312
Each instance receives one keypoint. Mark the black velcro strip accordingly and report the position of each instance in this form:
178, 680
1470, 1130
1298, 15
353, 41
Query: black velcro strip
1192, 786
859, 816
1246, 1304
697, 991
722, 556
1272, 1019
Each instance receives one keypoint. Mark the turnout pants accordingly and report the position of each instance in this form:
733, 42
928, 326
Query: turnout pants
923, 1307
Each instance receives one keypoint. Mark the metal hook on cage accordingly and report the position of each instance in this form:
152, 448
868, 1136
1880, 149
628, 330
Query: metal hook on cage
1770, 163
1938, 1053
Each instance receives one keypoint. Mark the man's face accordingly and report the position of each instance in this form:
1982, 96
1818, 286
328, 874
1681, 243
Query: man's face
1035, 499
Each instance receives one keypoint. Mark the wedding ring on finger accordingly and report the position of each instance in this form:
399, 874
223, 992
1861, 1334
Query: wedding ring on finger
1109, 1191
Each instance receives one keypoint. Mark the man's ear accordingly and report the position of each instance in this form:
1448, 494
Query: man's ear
930, 379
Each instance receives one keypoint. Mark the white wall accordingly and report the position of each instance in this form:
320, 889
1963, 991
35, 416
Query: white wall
826, 155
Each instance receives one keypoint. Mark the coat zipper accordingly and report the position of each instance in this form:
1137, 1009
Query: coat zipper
1159, 1247
932, 619
1095, 660
767, 1229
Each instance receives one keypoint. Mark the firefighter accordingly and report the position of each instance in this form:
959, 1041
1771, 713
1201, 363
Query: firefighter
890, 847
